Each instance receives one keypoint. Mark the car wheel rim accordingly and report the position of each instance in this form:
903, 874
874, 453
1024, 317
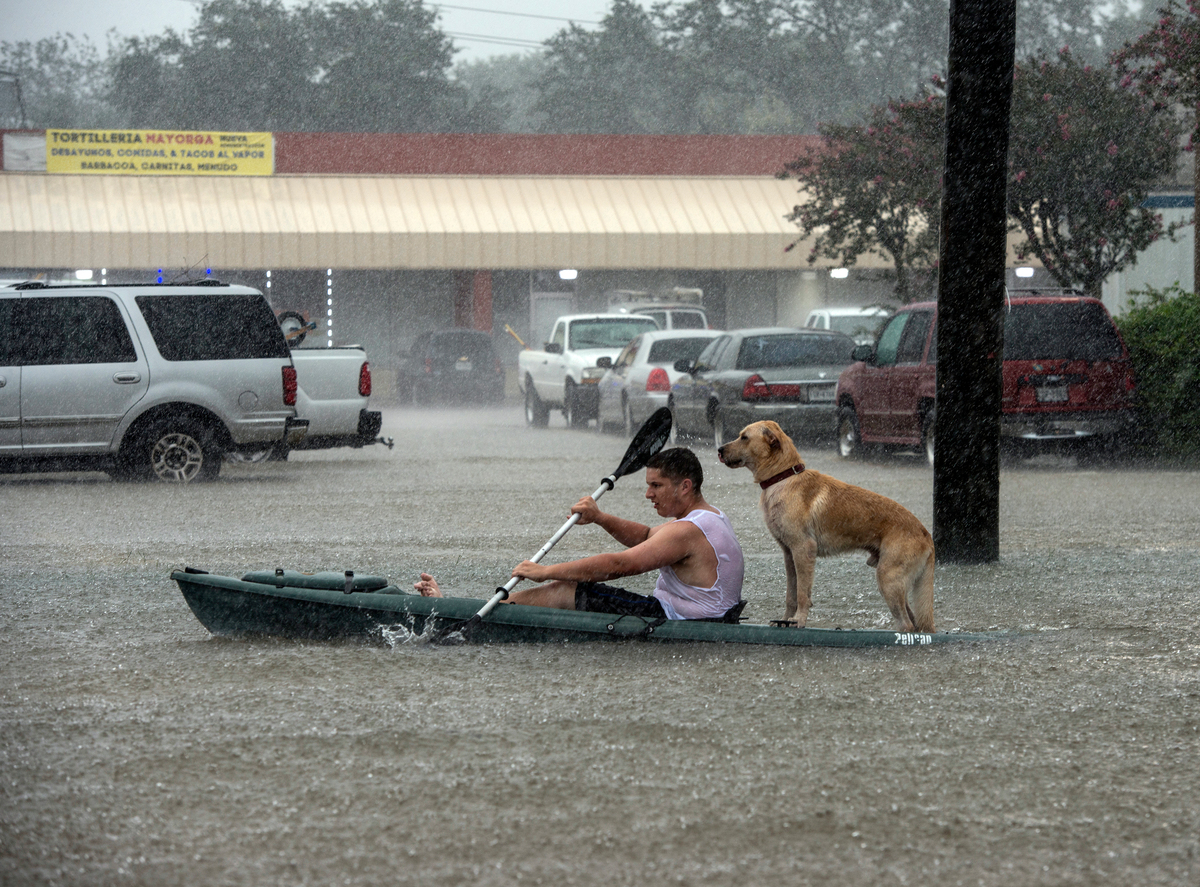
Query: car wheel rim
177, 458
847, 439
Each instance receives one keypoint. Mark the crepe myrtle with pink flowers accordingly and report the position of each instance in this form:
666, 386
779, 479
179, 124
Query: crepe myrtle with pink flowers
1083, 153
1163, 64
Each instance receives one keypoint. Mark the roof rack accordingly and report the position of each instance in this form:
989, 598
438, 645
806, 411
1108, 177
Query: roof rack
1045, 291
43, 284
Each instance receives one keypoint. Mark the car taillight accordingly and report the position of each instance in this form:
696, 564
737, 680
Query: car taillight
499, 367
429, 365
364, 380
757, 388
289, 386
658, 380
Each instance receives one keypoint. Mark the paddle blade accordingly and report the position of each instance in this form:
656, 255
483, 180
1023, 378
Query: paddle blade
650, 438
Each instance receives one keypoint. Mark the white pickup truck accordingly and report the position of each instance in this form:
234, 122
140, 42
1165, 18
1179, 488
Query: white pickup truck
565, 375
333, 385
332, 388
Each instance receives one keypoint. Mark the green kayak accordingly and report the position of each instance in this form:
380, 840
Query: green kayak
326, 606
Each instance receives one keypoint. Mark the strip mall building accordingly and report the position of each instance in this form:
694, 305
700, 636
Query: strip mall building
379, 237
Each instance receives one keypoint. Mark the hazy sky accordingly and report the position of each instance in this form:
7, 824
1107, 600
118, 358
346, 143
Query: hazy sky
480, 28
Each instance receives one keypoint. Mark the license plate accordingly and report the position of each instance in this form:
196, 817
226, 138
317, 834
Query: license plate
463, 365
1057, 394
824, 394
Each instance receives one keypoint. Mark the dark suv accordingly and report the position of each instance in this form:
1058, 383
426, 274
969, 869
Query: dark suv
1067, 380
451, 365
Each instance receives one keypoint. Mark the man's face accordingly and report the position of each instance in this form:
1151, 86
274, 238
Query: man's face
665, 494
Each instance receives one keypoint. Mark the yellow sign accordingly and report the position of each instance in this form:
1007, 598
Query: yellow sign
157, 152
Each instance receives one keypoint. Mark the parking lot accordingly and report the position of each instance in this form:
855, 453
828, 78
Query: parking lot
137, 749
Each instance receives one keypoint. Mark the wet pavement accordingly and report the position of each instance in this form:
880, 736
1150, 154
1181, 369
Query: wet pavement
137, 749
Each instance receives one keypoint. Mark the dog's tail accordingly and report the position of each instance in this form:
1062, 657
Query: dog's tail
921, 602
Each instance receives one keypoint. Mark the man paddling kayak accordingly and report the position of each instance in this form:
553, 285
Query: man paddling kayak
696, 553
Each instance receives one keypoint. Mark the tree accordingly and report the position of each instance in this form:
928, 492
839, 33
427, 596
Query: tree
362, 66
1083, 154
1163, 64
877, 189
506, 83
613, 80
245, 65
383, 68
63, 82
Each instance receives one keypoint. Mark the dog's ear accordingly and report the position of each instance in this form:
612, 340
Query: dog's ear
771, 437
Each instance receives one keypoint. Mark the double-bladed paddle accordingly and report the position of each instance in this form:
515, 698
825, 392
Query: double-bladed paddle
649, 439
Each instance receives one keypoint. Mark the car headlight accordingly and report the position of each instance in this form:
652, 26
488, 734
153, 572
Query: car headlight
593, 374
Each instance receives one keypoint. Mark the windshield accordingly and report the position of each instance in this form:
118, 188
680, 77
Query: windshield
1060, 331
767, 352
608, 332
666, 351
857, 325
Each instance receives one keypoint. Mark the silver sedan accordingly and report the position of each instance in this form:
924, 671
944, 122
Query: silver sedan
744, 376
641, 378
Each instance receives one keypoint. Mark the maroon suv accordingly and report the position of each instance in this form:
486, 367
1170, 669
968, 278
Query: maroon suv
1067, 380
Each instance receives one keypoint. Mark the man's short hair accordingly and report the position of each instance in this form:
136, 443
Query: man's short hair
678, 463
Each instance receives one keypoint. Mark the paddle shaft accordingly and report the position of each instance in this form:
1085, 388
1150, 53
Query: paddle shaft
502, 593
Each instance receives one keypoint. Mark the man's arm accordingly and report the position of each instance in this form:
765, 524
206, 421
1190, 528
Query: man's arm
669, 545
629, 533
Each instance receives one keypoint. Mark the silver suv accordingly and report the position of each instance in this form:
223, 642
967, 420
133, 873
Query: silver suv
143, 382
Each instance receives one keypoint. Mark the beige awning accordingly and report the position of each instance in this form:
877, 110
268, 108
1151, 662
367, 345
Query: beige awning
60, 221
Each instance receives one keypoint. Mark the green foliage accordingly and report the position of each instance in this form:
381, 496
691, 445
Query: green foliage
612, 80
1164, 62
508, 84
63, 83
696, 66
877, 189
377, 66
1083, 154
1161, 332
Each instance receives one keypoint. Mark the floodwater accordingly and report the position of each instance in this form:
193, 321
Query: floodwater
137, 749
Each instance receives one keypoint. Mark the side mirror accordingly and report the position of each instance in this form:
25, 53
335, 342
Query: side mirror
553, 348
685, 366
865, 353
605, 363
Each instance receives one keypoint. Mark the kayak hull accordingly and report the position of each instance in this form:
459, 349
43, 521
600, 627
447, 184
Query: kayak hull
317, 607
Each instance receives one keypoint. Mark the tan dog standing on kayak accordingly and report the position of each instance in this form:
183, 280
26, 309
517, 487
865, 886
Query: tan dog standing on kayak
813, 515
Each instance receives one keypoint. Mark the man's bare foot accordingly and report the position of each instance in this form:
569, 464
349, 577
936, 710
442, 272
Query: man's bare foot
428, 586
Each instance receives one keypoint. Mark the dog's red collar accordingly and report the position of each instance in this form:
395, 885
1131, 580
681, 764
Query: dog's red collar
783, 475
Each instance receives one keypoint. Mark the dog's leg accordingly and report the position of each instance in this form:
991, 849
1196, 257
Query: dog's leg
789, 602
897, 572
922, 596
802, 559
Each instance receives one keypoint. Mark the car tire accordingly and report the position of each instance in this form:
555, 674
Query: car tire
290, 322
1102, 452
677, 436
627, 416
849, 443
537, 414
173, 450
575, 419
719, 436
927, 436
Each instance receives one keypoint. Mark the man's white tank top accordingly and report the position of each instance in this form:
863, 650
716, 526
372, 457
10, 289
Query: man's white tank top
683, 601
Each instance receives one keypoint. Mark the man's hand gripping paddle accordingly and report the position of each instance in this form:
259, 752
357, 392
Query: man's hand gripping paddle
649, 439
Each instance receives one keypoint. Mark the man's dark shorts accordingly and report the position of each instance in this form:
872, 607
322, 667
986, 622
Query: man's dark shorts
596, 597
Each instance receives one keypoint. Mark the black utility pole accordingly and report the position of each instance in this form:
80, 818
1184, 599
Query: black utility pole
966, 475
